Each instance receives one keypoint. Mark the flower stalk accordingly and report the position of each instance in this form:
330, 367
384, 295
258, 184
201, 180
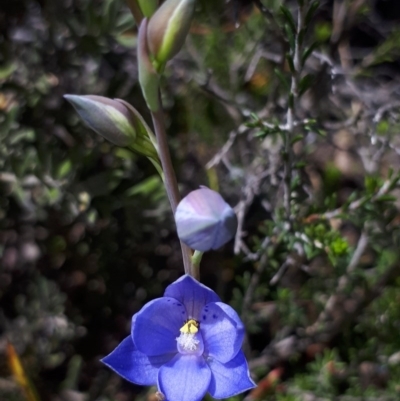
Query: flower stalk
196, 258
170, 181
135, 10
160, 39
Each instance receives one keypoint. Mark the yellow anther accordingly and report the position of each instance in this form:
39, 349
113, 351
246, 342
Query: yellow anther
190, 327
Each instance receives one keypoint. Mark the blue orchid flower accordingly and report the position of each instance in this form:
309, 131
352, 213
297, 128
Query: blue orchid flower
187, 343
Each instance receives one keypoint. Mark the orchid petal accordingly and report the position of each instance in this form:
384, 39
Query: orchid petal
157, 325
184, 378
221, 335
229, 379
133, 365
192, 294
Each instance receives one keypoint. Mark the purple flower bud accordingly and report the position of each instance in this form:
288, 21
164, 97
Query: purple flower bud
168, 28
204, 220
107, 117
117, 121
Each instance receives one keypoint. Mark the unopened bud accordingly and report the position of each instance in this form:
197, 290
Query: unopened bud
204, 220
109, 118
168, 28
119, 122
145, 139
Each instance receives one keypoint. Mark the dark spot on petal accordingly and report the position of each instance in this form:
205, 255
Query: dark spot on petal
204, 317
215, 316
183, 312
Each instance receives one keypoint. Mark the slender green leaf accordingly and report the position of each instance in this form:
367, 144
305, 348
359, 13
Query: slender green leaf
288, 18
310, 12
282, 78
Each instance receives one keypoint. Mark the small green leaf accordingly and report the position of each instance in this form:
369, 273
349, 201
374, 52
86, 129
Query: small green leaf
297, 138
288, 18
64, 168
290, 36
387, 198
310, 12
146, 187
371, 184
289, 59
382, 127
53, 195
260, 134
25, 134
6, 70
282, 78
307, 52
305, 83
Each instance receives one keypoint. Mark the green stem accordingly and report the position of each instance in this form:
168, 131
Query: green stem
196, 260
135, 10
171, 184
